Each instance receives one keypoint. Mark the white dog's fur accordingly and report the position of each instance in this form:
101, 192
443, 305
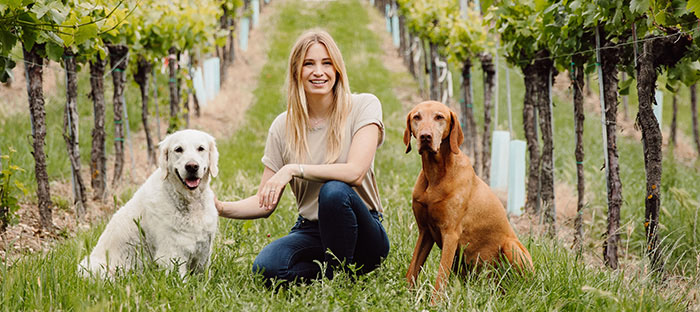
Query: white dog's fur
174, 209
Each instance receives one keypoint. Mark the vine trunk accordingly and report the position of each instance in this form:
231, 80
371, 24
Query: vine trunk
70, 132
34, 73
98, 157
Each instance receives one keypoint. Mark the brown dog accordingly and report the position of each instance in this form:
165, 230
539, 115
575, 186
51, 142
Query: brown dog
453, 207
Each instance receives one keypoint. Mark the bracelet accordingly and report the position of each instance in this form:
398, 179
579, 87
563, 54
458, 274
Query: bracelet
301, 171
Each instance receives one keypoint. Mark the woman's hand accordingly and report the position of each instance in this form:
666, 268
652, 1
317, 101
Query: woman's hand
219, 206
272, 189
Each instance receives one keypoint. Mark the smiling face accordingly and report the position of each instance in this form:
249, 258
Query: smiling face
189, 155
318, 75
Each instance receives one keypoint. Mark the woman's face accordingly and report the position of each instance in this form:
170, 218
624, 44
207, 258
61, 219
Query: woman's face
318, 73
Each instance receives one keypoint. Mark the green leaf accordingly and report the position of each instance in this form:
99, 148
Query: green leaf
58, 12
540, 5
21, 187
660, 17
85, 32
7, 40
639, 6
575, 5
29, 37
101, 51
53, 38
11, 201
694, 6
14, 4
6, 66
54, 52
40, 9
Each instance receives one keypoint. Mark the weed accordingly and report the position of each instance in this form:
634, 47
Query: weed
9, 189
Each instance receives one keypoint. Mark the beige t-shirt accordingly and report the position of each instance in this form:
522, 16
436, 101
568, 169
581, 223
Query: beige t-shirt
366, 109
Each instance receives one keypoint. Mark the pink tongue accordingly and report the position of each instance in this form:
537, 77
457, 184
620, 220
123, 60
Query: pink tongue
192, 183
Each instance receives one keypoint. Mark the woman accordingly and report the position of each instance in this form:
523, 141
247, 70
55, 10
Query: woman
323, 146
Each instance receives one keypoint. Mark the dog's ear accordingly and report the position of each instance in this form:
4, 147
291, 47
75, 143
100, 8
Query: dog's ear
456, 135
163, 148
407, 133
213, 158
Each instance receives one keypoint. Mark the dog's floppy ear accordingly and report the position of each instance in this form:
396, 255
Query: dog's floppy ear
456, 135
213, 158
407, 133
163, 148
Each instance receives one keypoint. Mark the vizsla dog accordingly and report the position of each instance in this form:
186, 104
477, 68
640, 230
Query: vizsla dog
453, 207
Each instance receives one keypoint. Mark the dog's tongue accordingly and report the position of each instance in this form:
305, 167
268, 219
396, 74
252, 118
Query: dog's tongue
192, 183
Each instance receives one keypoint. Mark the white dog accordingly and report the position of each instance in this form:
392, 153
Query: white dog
171, 219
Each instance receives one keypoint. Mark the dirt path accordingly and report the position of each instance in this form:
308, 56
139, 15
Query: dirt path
220, 117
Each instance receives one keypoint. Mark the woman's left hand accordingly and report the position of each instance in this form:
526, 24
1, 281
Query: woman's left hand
273, 188
219, 206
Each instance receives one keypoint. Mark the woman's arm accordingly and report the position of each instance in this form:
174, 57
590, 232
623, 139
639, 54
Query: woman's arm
362, 150
248, 208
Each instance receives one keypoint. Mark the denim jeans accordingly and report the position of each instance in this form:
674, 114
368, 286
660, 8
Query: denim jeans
345, 226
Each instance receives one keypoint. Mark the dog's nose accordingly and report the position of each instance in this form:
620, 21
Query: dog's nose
191, 167
426, 137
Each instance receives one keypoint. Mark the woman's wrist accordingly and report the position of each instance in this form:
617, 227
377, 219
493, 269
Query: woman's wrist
295, 170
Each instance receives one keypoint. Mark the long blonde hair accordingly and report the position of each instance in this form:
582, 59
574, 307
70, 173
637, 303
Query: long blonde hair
297, 106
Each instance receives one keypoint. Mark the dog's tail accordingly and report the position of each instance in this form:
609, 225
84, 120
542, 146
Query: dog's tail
517, 255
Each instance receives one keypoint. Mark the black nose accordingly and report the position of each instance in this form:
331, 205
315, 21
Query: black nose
426, 137
191, 167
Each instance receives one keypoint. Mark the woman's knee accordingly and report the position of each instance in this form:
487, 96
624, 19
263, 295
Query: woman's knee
267, 264
334, 193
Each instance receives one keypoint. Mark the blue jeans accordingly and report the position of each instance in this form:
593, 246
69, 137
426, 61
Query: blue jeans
345, 226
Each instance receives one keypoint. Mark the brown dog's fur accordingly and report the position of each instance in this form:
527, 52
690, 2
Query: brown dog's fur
453, 207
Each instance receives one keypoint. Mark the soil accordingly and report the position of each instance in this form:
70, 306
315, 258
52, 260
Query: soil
220, 117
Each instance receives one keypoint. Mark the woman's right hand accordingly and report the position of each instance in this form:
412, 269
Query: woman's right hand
273, 186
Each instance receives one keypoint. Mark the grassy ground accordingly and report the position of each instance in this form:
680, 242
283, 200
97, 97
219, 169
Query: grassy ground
562, 281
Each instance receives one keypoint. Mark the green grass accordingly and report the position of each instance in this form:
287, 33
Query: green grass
562, 281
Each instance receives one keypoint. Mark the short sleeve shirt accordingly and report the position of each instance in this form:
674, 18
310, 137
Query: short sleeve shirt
366, 110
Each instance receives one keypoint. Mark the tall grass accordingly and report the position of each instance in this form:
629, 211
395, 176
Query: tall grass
562, 281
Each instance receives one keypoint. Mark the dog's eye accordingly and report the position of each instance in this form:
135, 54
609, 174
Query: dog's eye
200, 149
439, 117
416, 117
178, 149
